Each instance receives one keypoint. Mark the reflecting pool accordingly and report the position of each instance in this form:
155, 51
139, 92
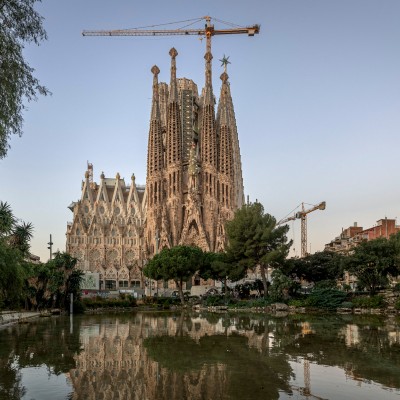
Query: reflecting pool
201, 356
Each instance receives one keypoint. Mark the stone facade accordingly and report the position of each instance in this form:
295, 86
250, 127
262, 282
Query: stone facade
193, 185
106, 234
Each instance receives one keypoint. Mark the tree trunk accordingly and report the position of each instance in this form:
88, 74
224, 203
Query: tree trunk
264, 280
180, 291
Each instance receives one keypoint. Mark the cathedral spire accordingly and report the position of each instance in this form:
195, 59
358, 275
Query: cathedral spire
208, 92
174, 134
155, 108
223, 106
155, 146
173, 91
229, 161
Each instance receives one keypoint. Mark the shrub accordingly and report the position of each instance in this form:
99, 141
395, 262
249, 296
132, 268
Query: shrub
347, 304
214, 301
397, 305
297, 302
99, 302
368, 302
79, 307
326, 298
396, 288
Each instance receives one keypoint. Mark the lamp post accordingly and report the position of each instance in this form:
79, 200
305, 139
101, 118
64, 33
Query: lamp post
50, 247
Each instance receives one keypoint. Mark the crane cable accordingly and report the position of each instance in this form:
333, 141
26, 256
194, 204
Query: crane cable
192, 21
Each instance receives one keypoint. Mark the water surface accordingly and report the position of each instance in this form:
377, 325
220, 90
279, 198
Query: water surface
201, 356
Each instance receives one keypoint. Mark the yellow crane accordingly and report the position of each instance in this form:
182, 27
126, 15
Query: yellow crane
208, 31
302, 215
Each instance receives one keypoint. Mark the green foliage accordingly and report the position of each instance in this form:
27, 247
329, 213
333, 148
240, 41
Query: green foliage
12, 275
282, 287
252, 303
254, 239
50, 284
211, 301
326, 298
397, 305
178, 263
373, 261
14, 248
298, 302
99, 302
368, 302
219, 267
79, 307
317, 267
347, 304
19, 24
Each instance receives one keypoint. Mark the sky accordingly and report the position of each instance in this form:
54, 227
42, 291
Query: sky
316, 97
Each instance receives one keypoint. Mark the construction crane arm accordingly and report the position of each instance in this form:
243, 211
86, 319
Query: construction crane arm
250, 30
320, 206
283, 221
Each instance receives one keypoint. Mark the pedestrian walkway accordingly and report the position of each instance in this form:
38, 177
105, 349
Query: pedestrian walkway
9, 317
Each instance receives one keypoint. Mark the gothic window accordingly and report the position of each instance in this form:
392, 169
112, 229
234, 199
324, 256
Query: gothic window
78, 232
113, 232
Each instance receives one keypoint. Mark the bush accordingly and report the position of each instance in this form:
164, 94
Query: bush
368, 302
99, 302
167, 302
216, 300
297, 302
396, 288
326, 298
347, 304
79, 307
397, 305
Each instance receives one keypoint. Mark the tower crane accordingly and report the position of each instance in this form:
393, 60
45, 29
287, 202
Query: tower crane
208, 31
302, 215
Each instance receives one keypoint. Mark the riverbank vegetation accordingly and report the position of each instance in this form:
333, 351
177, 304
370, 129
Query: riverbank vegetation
26, 284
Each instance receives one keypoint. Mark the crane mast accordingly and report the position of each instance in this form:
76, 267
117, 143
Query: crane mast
208, 32
302, 215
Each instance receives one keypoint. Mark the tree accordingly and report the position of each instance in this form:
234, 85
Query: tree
254, 239
219, 267
50, 284
178, 263
322, 266
282, 286
14, 248
19, 24
373, 261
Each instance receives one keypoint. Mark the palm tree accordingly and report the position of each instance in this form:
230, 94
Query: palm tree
7, 219
21, 236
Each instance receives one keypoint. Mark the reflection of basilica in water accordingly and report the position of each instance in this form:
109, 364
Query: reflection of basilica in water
115, 363
202, 357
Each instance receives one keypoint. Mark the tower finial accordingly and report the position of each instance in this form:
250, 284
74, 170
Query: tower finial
155, 110
224, 62
173, 95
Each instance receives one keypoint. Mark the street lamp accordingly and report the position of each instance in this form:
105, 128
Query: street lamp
50, 248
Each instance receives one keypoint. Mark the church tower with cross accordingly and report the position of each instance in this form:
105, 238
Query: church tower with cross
194, 178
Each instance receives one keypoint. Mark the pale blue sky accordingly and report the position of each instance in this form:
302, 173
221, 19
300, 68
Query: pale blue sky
316, 96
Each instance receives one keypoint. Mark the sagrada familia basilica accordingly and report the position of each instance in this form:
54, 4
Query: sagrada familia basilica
194, 185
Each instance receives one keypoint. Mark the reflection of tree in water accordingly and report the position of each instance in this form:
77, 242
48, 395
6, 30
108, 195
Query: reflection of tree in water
371, 357
265, 375
10, 379
43, 342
